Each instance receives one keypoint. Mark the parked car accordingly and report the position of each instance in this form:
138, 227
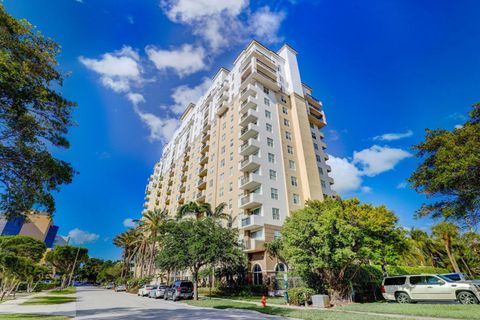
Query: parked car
109, 286
145, 290
158, 291
180, 289
412, 288
120, 288
458, 276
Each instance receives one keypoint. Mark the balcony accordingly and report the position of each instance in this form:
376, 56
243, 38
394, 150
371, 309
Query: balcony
317, 117
171, 173
253, 245
249, 90
182, 188
206, 126
313, 101
206, 136
249, 147
249, 201
184, 168
222, 108
329, 169
167, 201
186, 157
253, 221
200, 197
202, 184
249, 103
204, 159
250, 131
170, 182
250, 116
249, 182
180, 199
183, 178
203, 171
169, 191
204, 148
249, 164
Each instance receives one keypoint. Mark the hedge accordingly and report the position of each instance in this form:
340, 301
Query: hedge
298, 296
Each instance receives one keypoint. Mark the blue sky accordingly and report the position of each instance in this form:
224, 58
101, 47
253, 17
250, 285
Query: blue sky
380, 67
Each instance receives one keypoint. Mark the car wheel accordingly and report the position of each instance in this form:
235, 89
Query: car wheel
402, 297
465, 297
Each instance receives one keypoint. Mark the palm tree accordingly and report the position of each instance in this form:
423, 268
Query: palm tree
446, 233
203, 210
218, 213
128, 242
150, 225
189, 208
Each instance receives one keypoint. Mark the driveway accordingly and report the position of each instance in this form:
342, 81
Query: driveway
96, 303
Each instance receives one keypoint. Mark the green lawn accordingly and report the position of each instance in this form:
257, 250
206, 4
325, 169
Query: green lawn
270, 300
69, 290
456, 311
20, 316
299, 314
49, 300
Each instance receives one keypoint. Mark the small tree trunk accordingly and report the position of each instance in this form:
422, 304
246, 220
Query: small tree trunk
195, 284
452, 258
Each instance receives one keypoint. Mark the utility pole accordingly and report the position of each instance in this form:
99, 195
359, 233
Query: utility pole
73, 267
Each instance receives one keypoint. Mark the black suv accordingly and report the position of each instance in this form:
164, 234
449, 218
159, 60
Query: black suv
180, 289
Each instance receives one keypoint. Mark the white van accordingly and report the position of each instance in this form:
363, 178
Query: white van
429, 287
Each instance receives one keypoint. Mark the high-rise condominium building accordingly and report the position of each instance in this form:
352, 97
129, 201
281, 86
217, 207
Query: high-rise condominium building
254, 142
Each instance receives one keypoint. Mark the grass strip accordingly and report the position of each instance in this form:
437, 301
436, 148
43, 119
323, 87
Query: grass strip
42, 300
455, 311
68, 290
308, 314
21, 316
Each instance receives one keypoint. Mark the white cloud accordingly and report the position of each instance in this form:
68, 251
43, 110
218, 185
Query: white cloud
129, 223
160, 129
78, 236
347, 177
222, 23
119, 70
402, 185
265, 24
183, 95
185, 60
348, 174
377, 159
393, 136
458, 126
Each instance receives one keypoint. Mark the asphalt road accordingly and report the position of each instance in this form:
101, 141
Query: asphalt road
97, 303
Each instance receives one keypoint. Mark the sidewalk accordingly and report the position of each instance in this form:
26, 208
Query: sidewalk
387, 315
15, 306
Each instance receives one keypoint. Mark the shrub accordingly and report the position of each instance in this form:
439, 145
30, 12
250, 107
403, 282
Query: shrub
45, 286
298, 296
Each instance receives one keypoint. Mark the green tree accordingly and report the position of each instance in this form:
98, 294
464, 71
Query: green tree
23, 246
111, 272
450, 172
90, 269
66, 259
193, 244
328, 241
34, 117
128, 241
203, 210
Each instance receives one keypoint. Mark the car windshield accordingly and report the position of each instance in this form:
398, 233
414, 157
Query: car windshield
445, 278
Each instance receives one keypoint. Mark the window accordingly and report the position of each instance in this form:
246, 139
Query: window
270, 142
223, 137
320, 171
323, 184
266, 101
269, 127
289, 149
273, 174
210, 183
271, 158
315, 146
220, 194
268, 114
296, 199
288, 135
275, 214
222, 176
231, 156
257, 275
222, 151
314, 136
319, 159
277, 234
230, 187
284, 110
256, 234
286, 122
280, 267
291, 164
293, 180
266, 90
222, 163
274, 193
256, 211
396, 281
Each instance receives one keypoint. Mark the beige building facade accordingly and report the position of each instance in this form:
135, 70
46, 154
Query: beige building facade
254, 142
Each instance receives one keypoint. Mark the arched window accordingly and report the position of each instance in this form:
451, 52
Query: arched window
257, 274
280, 267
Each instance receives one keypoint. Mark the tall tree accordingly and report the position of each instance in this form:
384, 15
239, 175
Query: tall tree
447, 233
450, 172
66, 259
128, 241
328, 241
34, 117
193, 244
